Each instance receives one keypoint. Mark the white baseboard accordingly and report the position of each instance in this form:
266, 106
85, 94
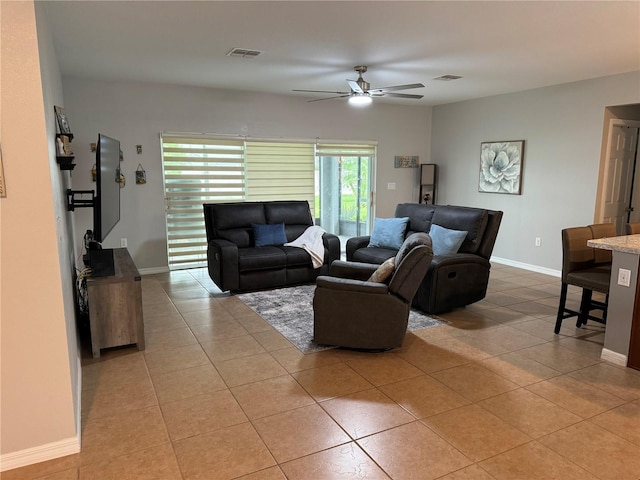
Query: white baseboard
153, 270
527, 266
613, 357
42, 453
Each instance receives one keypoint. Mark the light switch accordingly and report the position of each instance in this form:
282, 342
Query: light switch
624, 277
391, 186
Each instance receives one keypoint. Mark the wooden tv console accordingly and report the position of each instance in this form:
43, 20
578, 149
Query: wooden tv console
115, 306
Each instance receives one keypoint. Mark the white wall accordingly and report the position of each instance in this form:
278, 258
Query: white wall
563, 129
39, 360
135, 113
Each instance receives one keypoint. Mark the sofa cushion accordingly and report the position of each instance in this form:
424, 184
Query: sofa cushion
472, 220
268, 234
388, 232
296, 257
288, 212
420, 216
373, 255
384, 271
237, 215
446, 241
262, 258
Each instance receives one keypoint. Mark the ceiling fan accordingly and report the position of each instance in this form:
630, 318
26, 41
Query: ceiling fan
361, 92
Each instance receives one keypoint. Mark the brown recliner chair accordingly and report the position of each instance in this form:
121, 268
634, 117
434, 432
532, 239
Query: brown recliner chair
351, 311
585, 267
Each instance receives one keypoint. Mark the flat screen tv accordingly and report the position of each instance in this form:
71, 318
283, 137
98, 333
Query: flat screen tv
106, 208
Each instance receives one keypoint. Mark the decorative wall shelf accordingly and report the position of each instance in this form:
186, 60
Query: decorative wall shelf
66, 162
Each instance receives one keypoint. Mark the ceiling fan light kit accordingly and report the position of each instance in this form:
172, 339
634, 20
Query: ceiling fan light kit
361, 92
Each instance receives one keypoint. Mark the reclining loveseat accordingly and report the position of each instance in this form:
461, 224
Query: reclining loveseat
453, 280
239, 261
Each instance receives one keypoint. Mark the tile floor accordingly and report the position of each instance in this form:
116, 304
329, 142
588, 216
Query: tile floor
219, 394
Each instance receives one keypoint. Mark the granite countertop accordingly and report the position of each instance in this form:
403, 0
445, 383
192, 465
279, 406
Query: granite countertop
624, 243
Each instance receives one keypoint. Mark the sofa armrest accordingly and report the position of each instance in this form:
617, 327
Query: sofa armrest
351, 285
354, 270
222, 260
331, 244
355, 243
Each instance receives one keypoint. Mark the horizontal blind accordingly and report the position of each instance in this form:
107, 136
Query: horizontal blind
280, 171
345, 150
197, 170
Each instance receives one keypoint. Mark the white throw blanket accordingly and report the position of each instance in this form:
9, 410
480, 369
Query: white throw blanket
311, 241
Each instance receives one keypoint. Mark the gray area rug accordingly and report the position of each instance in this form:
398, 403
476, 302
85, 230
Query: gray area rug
290, 311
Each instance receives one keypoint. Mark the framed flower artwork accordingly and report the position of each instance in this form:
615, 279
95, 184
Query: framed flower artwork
501, 167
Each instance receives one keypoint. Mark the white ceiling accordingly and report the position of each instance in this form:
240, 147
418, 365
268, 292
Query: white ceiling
497, 47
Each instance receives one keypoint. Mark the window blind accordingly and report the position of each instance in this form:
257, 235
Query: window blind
197, 169
280, 171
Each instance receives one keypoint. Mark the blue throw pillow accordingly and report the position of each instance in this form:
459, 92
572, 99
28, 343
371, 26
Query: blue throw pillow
445, 241
271, 234
388, 232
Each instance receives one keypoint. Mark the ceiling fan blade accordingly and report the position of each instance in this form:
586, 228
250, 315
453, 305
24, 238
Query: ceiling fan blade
329, 98
397, 95
354, 86
396, 87
322, 91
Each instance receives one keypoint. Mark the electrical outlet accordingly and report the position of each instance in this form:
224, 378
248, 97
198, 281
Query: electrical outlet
624, 277
123, 242
391, 186
538, 241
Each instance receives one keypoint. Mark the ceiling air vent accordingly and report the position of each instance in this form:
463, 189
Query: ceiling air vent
448, 78
243, 53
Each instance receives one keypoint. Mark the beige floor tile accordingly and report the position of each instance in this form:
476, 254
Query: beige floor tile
252, 322
164, 361
230, 453
624, 421
151, 464
504, 315
542, 328
158, 309
195, 304
432, 358
472, 472
154, 298
590, 344
619, 381
476, 432
181, 295
218, 330
128, 368
183, 284
518, 368
169, 339
424, 396
159, 323
115, 435
413, 452
293, 360
186, 383
215, 313
474, 381
508, 338
329, 381
202, 414
529, 412
534, 461
240, 371
272, 340
367, 412
346, 461
555, 356
271, 473
113, 399
534, 309
576, 396
605, 455
470, 347
300, 432
271, 396
230, 348
380, 369
49, 468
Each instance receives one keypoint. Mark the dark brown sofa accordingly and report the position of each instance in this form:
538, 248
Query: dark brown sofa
454, 280
236, 264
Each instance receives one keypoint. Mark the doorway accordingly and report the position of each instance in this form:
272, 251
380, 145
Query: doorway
620, 179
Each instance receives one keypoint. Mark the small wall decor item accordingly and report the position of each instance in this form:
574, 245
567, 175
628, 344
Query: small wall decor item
404, 161
63, 123
94, 173
501, 167
141, 175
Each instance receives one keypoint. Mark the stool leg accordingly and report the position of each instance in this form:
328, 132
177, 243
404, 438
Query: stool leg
563, 301
585, 307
